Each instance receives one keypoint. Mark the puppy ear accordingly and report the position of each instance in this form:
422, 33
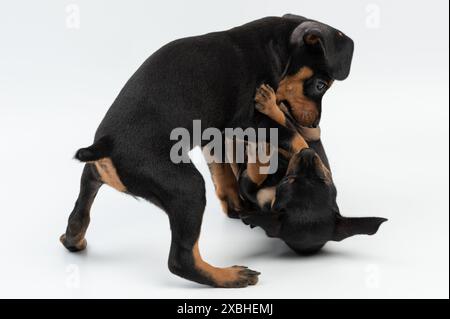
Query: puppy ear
336, 47
346, 227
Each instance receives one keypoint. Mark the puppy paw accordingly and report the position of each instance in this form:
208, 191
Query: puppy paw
73, 246
266, 99
237, 277
231, 206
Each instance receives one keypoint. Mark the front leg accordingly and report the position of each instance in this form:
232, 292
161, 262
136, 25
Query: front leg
225, 183
253, 186
266, 103
251, 178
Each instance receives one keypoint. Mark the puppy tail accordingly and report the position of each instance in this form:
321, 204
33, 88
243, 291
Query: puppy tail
100, 149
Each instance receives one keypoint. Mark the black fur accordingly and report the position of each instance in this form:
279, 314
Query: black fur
305, 213
100, 149
212, 77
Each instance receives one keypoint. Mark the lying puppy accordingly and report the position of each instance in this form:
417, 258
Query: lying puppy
300, 208
213, 78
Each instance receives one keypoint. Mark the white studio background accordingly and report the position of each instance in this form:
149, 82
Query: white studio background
385, 129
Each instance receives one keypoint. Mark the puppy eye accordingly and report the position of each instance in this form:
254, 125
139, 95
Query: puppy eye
321, 86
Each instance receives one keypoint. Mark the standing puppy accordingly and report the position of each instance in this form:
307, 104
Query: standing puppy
212, 78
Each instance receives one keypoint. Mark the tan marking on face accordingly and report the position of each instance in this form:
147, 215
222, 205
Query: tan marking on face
108, 174
290, 89
225, 183
266, 195
310, 134
221, 276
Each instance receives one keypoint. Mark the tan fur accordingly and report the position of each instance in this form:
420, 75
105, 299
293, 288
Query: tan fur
266, 195
254, 165
310, 134
108, 174
298, 143
266, 103
278, 116
290, 89
221, 276
253, 172
226, 186
235, 169
79, 242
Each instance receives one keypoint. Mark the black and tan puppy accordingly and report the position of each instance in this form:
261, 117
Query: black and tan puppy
212, 78
298, 203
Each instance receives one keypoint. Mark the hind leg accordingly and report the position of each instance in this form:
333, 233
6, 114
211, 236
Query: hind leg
180, 191
79, 219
